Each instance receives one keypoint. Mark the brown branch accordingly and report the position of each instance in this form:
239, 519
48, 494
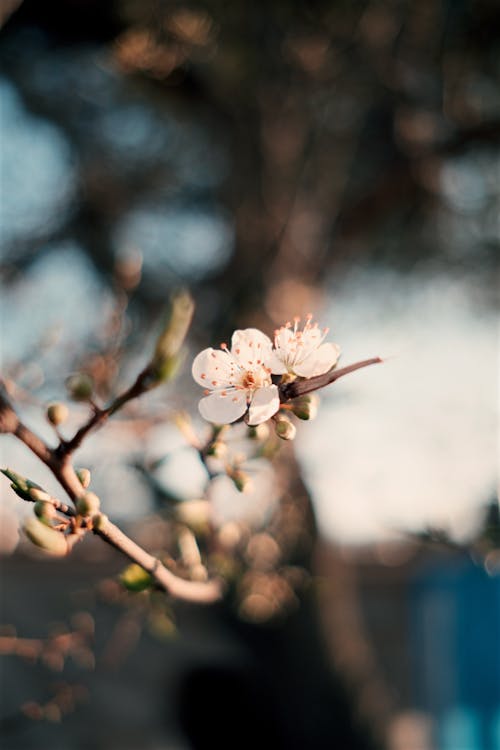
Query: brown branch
60, 465
301, 387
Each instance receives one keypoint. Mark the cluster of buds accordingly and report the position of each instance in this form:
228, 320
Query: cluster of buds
52, 518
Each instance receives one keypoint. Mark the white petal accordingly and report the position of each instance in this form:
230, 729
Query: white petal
223, 409
276, 363
212, 368
319, 361
250, 345
265, 403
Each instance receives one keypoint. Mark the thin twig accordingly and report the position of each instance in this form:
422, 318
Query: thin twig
142, 384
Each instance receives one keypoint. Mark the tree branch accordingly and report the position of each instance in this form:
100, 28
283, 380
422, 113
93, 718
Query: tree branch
60, 465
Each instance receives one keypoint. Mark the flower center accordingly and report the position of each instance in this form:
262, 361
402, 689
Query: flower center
251, 379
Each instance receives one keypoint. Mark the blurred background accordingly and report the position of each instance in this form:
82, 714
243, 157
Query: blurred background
334, 157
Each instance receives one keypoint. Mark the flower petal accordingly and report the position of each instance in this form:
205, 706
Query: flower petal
250, 345
276, 363
213, 366
264, 404
319, 361
223, 409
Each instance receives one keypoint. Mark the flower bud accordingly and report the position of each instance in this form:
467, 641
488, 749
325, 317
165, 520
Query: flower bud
241, 480
80, 386
284, 428
194, 513
45, 511
99, 521
84, 476
306, 406
45, 537
88, 504
135, 578
57, 413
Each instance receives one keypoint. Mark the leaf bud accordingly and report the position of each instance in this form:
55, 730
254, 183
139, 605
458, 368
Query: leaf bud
88, 504
84, 476
57, 413
45, 537
18, 481
135, 578
284, 427
166, 357
306, 406
80, 386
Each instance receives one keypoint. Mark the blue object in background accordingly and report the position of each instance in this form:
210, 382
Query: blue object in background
455, 642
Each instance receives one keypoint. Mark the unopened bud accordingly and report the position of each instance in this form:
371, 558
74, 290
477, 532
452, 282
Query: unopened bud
45, 537
44, 510
84, 476
306, 407
57, 413
135, 578
80, 386
259, 432
37, 494
284, 428
194, 513
217, 449
99, 521
241, 480
88, 504
166, 358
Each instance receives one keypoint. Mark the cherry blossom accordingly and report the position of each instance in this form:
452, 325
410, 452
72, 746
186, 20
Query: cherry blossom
237, 380
302, 352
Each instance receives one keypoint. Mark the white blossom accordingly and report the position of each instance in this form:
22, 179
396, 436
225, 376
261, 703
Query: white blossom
302, 352
237, 380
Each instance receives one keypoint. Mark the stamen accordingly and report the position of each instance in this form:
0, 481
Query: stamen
223, 345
